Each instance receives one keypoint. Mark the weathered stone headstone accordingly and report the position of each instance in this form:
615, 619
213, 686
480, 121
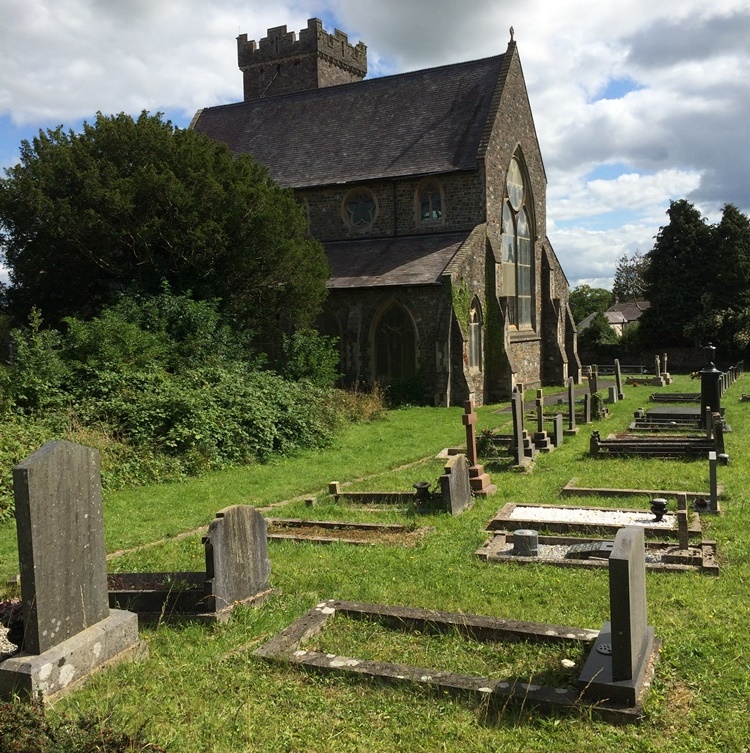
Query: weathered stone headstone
611, 394
455, 488
594, 379
683, 533
587, 408
713, 486
557, 437
69, 629
541, 440
657, 367
522, 449
237, 564
616, 666
618, 380
572, 428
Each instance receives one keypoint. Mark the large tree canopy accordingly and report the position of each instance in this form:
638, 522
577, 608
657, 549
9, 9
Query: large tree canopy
585, 300
127, 204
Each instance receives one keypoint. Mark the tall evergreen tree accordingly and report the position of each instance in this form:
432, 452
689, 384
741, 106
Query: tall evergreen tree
678, 275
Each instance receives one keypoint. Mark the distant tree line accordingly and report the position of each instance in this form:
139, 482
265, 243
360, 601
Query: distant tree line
696, 279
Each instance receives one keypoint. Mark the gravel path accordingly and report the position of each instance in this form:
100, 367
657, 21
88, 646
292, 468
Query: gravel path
592, 517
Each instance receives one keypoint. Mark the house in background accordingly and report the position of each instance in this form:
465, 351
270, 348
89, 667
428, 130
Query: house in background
428, 192
619, 316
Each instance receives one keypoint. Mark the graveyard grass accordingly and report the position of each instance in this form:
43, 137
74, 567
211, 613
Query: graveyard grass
203, 690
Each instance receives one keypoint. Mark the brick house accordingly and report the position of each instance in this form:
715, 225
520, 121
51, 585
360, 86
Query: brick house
428, 192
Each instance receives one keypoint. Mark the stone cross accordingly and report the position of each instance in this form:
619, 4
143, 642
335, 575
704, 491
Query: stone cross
657, 367
469, 420
664, 363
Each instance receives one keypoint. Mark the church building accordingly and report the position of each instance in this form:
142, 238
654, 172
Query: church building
428, 192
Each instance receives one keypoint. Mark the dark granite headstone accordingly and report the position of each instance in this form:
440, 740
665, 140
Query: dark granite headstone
713, 487
612, 394
618, 380
518, 430
455, 488
598, 549
237, 565
587, 408
61, 551
617, 664
572, 429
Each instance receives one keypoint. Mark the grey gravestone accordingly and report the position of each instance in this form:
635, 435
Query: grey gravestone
60, 543
618, 380
69, 629
657, 367
587, 408
713, 487
455, 488
616, 666
572, 429
518, 430
237, 565
557, 437
612, 394
594, 379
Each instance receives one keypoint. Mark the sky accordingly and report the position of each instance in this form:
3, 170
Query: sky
636, 103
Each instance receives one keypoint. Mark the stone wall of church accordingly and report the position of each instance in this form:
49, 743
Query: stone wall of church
358, 310
396, 207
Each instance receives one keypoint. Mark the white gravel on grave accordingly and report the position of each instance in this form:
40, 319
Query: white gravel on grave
589, 516
6, 647
558, 552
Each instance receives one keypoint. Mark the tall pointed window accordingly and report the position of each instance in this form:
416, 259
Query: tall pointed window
430, 202
518, 256
475, 335
395, 345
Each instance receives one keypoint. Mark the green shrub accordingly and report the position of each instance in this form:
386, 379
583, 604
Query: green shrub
311, 356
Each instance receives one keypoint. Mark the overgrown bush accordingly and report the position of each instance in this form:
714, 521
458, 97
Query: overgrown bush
164, 389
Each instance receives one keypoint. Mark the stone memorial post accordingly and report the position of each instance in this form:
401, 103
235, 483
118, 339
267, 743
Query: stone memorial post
519, 449
710, 384
587, 408
657, 367
558, 432
618, 380
616, 667
541, 439
69, 629
572, 428
713, 487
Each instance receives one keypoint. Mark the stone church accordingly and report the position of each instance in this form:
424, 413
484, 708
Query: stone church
427, 190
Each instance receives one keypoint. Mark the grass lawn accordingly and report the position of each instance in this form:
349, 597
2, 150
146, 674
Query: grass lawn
203, 690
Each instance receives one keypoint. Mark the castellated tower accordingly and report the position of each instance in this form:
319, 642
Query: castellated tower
282, 64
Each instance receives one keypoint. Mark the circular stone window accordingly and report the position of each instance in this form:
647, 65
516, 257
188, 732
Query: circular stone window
360, 208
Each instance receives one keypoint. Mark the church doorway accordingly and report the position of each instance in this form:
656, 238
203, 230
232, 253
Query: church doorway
395, 345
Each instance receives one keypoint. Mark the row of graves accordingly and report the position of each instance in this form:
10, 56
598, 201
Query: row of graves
74, 619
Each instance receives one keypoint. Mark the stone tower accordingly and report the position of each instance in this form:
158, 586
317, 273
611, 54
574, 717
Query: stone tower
281, 64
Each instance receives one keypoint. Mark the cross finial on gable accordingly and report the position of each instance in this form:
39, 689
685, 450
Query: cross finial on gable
512, 32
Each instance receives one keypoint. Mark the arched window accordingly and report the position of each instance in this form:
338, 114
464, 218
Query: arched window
518, 255
429, 204
395, 345
475, 335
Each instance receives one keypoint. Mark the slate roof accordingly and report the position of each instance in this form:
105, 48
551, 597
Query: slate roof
632, 310
403, 260
417, 123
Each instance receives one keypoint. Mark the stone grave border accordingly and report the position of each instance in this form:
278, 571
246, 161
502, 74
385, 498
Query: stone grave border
336, 525
502, 520
286, 648
701, 557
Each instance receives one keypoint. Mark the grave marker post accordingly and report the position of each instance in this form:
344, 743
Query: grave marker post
479, 480
572, 428
618, 380
713, 487
587, 408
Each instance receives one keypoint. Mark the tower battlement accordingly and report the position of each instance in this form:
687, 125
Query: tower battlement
281, 63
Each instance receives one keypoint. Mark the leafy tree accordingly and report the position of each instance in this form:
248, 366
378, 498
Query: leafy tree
629, 284
678, 274
598, 333
129, 203
585, 300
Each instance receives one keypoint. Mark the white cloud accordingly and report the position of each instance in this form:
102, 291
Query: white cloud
681, 133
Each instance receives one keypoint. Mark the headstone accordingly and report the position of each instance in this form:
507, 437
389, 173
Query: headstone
713, 487
455, 488
237, 565
710, 384
594, 379
523, 449
616, 667
618, 380
526, 543
557, 437
587, 408
572, 428
657, 367
69, 629
612, 394
542, 442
